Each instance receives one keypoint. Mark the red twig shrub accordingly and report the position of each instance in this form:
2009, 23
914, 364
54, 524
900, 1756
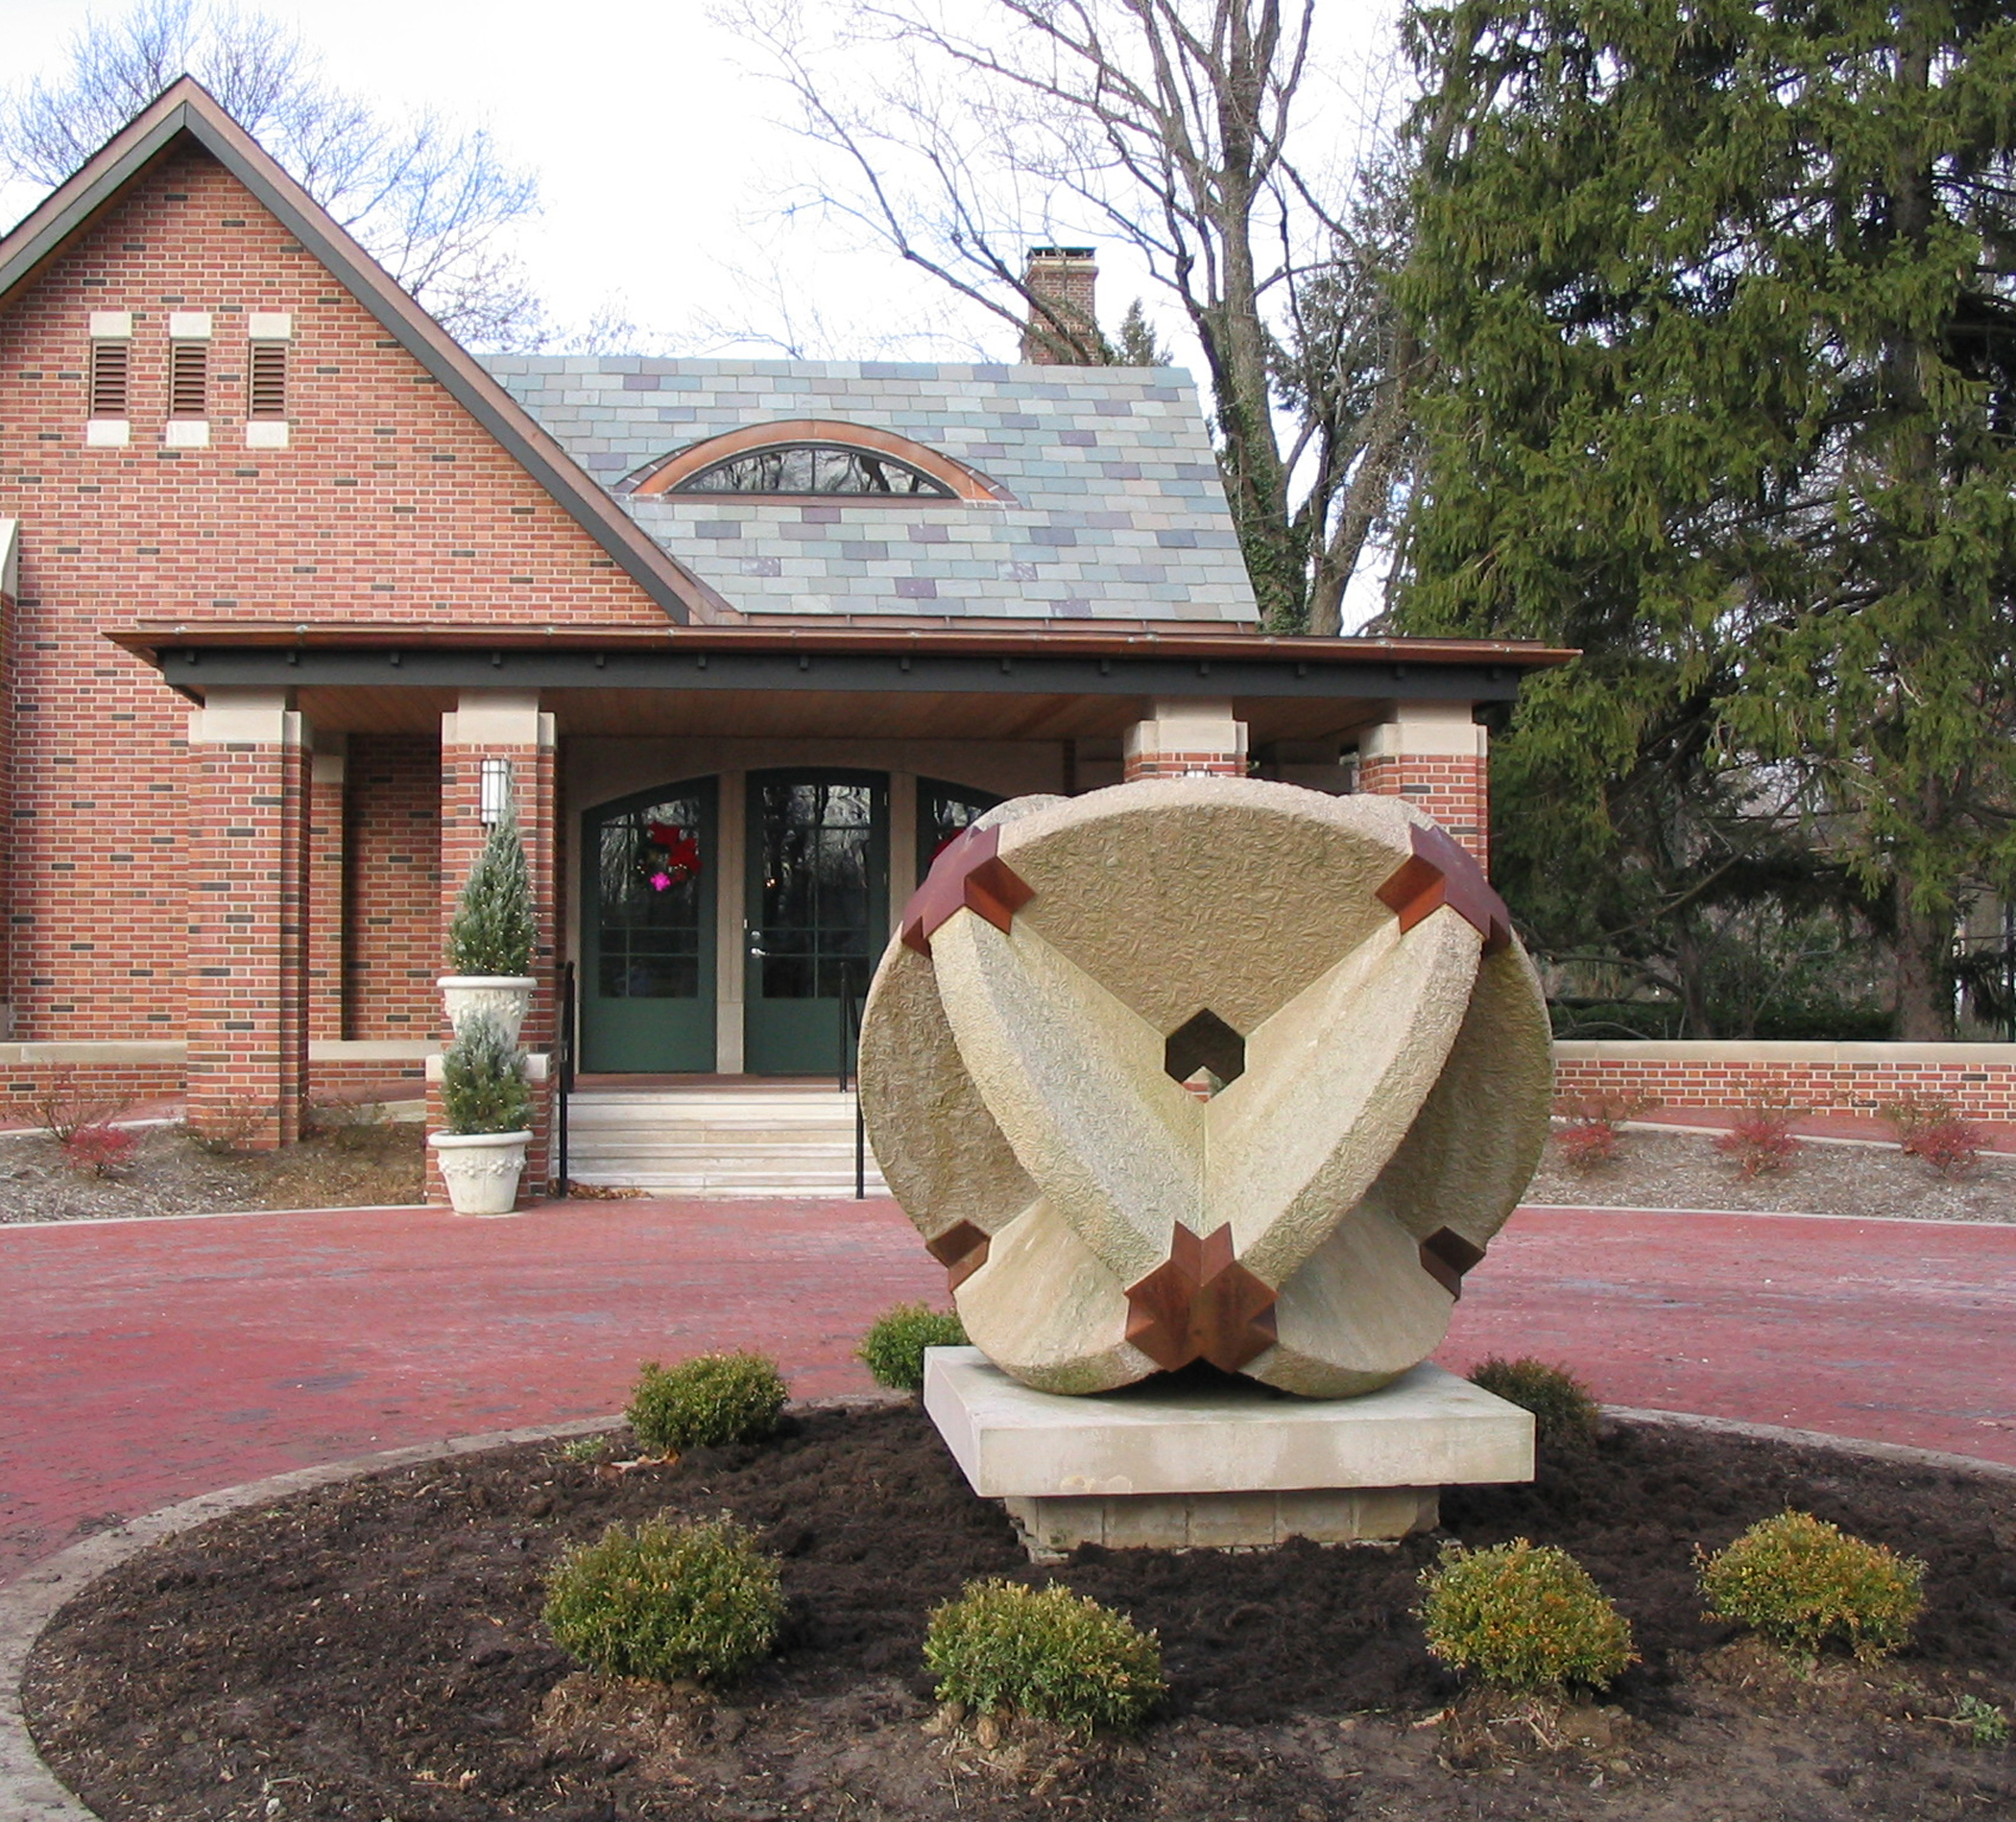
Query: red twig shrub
1595, 1125
98, 1151
1586, 1147
1928, 1127
1761, 1138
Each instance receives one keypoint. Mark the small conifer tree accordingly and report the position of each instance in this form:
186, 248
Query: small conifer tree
492, 932
482, 1081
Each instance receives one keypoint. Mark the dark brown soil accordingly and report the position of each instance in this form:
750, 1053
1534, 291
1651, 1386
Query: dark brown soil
374, 1652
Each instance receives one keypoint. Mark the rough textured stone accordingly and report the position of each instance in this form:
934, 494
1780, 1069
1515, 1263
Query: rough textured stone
1306, 1224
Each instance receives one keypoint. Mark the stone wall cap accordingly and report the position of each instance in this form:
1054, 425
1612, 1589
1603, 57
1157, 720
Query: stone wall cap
1738, 1050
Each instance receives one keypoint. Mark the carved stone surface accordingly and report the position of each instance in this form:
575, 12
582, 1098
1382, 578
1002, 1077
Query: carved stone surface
1338, 970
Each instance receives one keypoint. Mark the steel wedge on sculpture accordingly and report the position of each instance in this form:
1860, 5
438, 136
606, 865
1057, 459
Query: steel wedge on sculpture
1207, 1070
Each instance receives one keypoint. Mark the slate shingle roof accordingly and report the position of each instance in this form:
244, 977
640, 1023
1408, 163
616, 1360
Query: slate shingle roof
1118, 512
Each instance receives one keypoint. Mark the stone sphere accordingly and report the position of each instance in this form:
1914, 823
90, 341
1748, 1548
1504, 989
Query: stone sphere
1205, 1068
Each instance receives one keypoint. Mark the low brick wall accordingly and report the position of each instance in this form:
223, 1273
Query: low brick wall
89, 1088
110, 1074
1978, 1079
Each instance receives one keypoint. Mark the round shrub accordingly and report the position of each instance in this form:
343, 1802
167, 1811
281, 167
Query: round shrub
1522, 1616
1045, 1652
893, 1351
1800, 1581
706, 1401
1564, 1409
665, 1601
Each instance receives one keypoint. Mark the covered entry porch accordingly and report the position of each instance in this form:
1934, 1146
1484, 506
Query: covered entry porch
722, 821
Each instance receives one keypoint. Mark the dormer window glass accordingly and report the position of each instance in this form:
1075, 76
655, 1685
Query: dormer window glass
814, 467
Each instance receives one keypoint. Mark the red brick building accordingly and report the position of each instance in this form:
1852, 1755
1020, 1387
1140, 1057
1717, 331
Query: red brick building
284, 571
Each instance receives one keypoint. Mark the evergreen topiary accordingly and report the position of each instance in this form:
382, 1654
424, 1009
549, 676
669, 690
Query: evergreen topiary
1564, 1410
492, 930
1044, 1652
1524, 1616
1800, 1581
694, 1601
706, 1401
893, 1349
483, 1081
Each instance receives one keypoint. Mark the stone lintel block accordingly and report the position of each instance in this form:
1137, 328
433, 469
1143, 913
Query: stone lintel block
1426, 1429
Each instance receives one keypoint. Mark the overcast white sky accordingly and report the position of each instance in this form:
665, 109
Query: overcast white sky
653, 141
660, 160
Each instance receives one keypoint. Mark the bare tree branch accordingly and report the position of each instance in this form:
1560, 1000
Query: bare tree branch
430, 201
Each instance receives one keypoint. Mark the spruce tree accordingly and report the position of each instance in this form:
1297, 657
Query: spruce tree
1722, 301
492, 931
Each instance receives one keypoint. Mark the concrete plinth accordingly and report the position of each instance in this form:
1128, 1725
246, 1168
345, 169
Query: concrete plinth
1230, 1465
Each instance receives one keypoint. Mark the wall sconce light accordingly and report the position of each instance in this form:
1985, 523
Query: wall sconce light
494, 797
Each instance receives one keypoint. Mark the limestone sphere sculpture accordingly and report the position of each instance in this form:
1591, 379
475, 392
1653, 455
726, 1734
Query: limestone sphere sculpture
1205, 1068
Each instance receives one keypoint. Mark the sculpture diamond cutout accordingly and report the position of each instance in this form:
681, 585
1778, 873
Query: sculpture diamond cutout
1205, 1042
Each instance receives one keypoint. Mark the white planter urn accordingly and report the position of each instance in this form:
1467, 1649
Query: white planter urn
505, 997
481, 1170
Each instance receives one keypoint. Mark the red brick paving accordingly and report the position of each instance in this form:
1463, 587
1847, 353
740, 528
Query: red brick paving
146, 1361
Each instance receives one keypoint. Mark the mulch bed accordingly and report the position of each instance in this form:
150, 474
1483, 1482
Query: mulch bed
356, 1159
373, 1652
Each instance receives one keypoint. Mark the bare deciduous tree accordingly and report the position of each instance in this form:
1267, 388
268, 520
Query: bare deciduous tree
958, 131
429, 200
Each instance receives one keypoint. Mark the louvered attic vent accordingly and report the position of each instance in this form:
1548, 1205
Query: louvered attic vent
269, 380
109, 372
188, 379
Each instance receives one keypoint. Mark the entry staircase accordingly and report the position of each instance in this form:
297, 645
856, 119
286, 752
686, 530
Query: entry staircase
716, 1139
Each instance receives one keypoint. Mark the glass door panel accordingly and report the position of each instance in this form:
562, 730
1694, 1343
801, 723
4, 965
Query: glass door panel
818, 912
647, 913
943, 810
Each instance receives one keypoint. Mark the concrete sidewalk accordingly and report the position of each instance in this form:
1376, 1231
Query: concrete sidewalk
147, 1361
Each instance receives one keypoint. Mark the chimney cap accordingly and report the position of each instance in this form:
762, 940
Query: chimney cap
1062, 253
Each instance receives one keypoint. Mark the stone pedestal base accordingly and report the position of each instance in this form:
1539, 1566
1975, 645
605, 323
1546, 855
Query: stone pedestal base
1233, 1465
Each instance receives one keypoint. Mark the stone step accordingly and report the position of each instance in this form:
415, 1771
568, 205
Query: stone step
787, 1142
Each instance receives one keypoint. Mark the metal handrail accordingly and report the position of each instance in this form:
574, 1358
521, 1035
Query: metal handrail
563, 1074
851, 1074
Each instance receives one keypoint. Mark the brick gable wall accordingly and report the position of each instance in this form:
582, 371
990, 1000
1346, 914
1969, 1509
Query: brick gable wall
391, 506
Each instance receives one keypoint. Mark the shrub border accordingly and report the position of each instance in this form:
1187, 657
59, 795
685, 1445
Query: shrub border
33, 1793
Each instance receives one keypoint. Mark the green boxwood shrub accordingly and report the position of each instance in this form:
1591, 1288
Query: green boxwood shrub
706, 1401
492, 930
1800, 1581
482, 1080
893, 1349
1523, 1617
665, 1601
1564, 1409
1044, 1652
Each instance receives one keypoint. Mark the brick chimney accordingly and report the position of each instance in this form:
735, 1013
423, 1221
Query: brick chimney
1065, 278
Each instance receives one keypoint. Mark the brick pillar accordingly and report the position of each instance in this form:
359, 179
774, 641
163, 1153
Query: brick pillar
1186, 740
248, 884
326, 771
10, 594
505, 725
1437, 757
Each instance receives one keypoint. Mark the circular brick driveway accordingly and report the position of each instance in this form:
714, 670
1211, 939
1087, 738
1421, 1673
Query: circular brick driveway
147, 1361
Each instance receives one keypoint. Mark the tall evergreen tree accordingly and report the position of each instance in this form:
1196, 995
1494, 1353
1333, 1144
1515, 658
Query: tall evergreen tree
1721, 300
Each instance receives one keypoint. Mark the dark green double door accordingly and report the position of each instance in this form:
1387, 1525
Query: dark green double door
816, 914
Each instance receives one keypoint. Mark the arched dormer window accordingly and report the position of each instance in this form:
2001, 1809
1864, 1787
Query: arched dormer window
814, 458
813, 467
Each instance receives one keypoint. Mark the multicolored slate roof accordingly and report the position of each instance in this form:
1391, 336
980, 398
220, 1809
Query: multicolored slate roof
1115, 509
